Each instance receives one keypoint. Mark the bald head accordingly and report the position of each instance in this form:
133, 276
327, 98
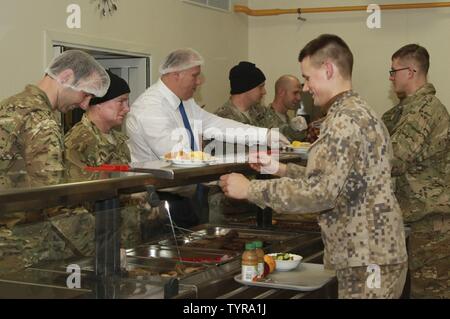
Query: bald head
287, 93
285, 82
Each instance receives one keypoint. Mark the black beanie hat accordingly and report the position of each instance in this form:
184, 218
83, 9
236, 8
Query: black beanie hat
244, 77
117, 88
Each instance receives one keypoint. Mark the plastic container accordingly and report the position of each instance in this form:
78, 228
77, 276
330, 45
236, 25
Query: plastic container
249, 263
260, 254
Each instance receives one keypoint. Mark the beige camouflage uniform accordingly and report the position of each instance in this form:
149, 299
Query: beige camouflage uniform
275, 120
31, 153
420, 132
348, 180
86, 145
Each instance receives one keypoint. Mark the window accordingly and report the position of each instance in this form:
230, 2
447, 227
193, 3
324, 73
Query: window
223, 5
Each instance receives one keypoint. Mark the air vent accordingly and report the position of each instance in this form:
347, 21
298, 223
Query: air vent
222, 5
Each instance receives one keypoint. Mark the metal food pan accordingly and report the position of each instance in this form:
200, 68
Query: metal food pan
227, 238
187, 254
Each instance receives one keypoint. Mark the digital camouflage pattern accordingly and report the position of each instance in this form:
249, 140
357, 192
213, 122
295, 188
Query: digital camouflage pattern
86, 145
420, 132
348, 180
355, 283
273, 120
30, 135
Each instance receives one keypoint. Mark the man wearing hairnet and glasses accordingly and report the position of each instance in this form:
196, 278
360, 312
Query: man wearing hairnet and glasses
31, 139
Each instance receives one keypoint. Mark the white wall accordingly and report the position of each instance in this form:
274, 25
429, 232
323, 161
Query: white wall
275, 42
144, 26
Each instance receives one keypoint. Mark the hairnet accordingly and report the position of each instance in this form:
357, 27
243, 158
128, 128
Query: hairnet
180, 60
88, 75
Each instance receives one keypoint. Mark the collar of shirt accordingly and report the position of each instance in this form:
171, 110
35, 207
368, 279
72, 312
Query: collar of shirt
332, 104
427, 89
174, 101
283, 117
113, 137
35, 90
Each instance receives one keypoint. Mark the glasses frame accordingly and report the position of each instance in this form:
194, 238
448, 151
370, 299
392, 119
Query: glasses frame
393, 71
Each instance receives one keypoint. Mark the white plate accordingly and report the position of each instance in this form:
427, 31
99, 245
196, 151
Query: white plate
191, 163
299, 150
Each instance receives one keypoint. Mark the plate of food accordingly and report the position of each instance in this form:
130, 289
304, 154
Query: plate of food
286, 261
191, 159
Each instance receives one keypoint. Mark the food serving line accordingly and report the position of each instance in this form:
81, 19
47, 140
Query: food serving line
202, 263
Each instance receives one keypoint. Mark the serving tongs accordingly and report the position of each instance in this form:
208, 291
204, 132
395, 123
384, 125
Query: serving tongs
188, 232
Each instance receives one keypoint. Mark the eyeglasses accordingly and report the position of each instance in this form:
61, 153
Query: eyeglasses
393, 71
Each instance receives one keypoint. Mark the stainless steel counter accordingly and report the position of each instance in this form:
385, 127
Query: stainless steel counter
19, 193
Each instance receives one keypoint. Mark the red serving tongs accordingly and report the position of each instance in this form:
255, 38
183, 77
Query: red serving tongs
108, 167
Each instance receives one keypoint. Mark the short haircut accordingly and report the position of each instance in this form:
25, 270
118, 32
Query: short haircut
329, 46
283, 81
414, 52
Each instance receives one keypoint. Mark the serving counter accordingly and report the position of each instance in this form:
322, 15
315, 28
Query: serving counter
152, 270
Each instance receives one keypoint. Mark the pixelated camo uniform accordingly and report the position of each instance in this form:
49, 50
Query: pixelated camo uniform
348, 180
420, 132
276, 120
86, 145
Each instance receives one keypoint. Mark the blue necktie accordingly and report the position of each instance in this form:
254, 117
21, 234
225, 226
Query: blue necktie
187, 125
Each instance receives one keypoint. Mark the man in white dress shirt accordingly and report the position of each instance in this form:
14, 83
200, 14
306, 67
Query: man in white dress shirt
155, 123
165, 118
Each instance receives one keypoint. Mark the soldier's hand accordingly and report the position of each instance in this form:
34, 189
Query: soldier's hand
298, 123
274, 135
235, 186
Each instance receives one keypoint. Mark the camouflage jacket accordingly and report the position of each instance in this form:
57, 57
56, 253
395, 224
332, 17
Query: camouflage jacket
256, 114
87, 146
348, 180
30, 136
420, 132
273, 120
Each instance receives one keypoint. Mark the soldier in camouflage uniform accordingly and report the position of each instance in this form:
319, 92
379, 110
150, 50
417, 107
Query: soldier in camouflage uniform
247, 90
31, 146
420, 131
93, 142
347, 179
247, 84
287, 97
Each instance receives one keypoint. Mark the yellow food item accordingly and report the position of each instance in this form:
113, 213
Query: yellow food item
298, 144
181, 155
271, 262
